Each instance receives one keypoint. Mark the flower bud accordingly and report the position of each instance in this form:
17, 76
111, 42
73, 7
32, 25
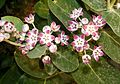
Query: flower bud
53, 48
25, 28
57, 40
6, 35
46, 60
1, 37
84, 21
2, 23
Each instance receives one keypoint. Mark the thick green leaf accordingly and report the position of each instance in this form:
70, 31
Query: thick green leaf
62, 8
113, 19
97, 5
25, 79
2, 2
107, 73
111, 46
37, 52
11, 76
41, 9
17, 22
30, 66
66, 61
50, 69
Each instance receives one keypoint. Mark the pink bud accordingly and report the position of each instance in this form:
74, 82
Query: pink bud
25, 28
84, 21
57, 40
53, 48
2, 23
1, 37
46, 60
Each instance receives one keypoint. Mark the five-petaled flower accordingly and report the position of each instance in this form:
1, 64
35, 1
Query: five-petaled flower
74, 25
91, 29
97, 52
29, 19
79, 43
99, 21
32, 38
86, 59
63, 38
45, 37
76, 13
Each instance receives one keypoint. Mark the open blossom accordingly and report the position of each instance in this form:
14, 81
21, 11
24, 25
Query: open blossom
79, 43
24, 49
86, 59
76, 13
73, 26
63, 38
99, 21
91, 29
9, 27
29, 19
32, 38
97, 52
54, 27
53, 48
45, 37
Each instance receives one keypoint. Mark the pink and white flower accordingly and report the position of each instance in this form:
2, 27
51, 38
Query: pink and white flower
63, 38
54, 27
53, 48
76, 13
24, 49
46, 29
29, 19
46, 60
79, 43
9, 27
86, 59
97, 52
99, 21
46, 38
32, 38
73, 26
89, 29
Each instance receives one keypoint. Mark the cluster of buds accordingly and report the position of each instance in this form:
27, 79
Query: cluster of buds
90, 30
7, 30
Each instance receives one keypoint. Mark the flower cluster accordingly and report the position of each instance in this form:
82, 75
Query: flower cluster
89, 29
51, 35
7, 30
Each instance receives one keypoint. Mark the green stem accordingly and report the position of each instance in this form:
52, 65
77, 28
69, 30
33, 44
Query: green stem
108, 4
112, 3
95, 73
13, 43
45, 81
33, 25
